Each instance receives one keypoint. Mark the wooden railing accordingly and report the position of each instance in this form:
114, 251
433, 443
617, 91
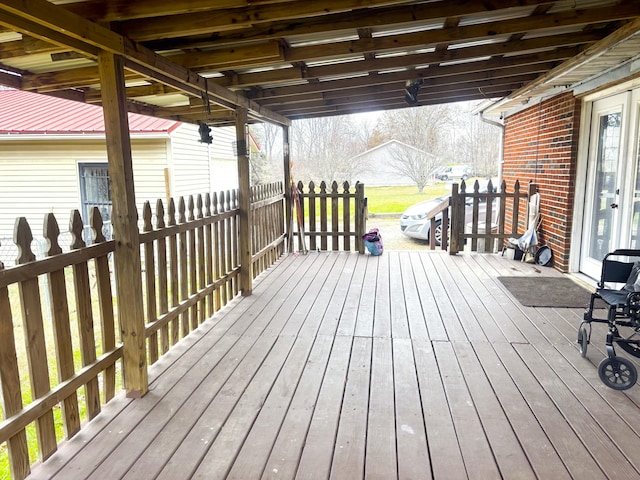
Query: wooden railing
490, 226
268, 220
441, 209
332, 220
59, 344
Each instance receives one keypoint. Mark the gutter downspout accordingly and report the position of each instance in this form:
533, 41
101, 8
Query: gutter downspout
501, 148
500, 151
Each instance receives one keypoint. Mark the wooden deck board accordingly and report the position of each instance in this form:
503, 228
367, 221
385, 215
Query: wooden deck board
349, 449
381, 459
413, 450
408, 365
476, 451
317, 454
543, 432
445, 455
510, 458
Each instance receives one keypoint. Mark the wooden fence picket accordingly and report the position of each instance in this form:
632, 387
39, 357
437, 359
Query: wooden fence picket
57, 285
173, 261
162, 271
11, 390
105, 303
35, 339
150, 283
84, 309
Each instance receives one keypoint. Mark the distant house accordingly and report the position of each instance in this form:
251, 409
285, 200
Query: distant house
53, 159
378, 166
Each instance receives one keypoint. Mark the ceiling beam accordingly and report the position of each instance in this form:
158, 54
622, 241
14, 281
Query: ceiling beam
396, 95
86, 76
228, 58
380, 79
466, 34
89, 38
10, 80
114, 10
365, 66
328, 111
326, 21
366, 89
231, 19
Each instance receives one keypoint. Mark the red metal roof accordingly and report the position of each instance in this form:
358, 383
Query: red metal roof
28, 113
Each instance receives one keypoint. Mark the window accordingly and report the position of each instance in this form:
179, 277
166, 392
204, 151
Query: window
95, 192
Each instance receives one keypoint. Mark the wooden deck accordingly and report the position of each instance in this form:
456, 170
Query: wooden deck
409, 365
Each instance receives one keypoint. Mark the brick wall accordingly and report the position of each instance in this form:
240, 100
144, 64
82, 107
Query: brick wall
541, 145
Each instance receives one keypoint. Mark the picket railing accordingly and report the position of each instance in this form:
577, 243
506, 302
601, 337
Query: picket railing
330, 220
59, 341
487, 229
268, 221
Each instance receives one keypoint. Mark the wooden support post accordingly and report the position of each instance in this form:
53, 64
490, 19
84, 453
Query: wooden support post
244, 203
124, 217
288, 201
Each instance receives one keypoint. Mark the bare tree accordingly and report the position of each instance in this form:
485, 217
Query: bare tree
423, 130
475, 142
420, 127
413, 163
450, 132
324, 148
265, 164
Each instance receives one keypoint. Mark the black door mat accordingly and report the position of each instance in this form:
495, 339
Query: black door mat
534, 291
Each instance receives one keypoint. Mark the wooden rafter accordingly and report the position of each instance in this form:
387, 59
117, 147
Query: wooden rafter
45, 20
275, 56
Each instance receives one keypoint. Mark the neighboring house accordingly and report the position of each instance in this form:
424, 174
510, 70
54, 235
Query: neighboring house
576, 133
53, 158
380, 166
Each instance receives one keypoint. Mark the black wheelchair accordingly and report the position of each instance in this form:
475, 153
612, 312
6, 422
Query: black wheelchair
622, 306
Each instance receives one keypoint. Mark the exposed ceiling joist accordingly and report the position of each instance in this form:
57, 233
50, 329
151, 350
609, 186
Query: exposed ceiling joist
197, 60
90, 38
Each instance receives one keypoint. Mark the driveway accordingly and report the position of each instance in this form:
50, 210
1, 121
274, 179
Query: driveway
392, 237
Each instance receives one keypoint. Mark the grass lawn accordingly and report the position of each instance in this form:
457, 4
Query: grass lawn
397, 199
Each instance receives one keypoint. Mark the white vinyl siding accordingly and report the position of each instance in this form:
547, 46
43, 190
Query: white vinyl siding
42, 175
199, 168
190, 171
38, 177
224, 160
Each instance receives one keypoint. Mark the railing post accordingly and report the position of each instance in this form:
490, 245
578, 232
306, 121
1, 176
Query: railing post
288, 201
455, 220
444, 238
361, 216
244, 220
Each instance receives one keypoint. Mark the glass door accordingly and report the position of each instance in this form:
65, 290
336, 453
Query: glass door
601, 228
633, 232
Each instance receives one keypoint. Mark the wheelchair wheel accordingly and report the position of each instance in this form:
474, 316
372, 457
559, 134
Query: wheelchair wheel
583, 341
630, 348
617, 373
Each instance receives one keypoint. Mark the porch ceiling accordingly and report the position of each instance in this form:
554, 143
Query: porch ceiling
197, 60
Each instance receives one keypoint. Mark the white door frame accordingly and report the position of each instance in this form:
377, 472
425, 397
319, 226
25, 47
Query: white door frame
628, 155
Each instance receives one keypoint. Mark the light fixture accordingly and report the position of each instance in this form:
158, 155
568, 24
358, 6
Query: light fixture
411, 88
205, 133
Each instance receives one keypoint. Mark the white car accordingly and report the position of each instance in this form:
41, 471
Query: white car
451, 172
414, 222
